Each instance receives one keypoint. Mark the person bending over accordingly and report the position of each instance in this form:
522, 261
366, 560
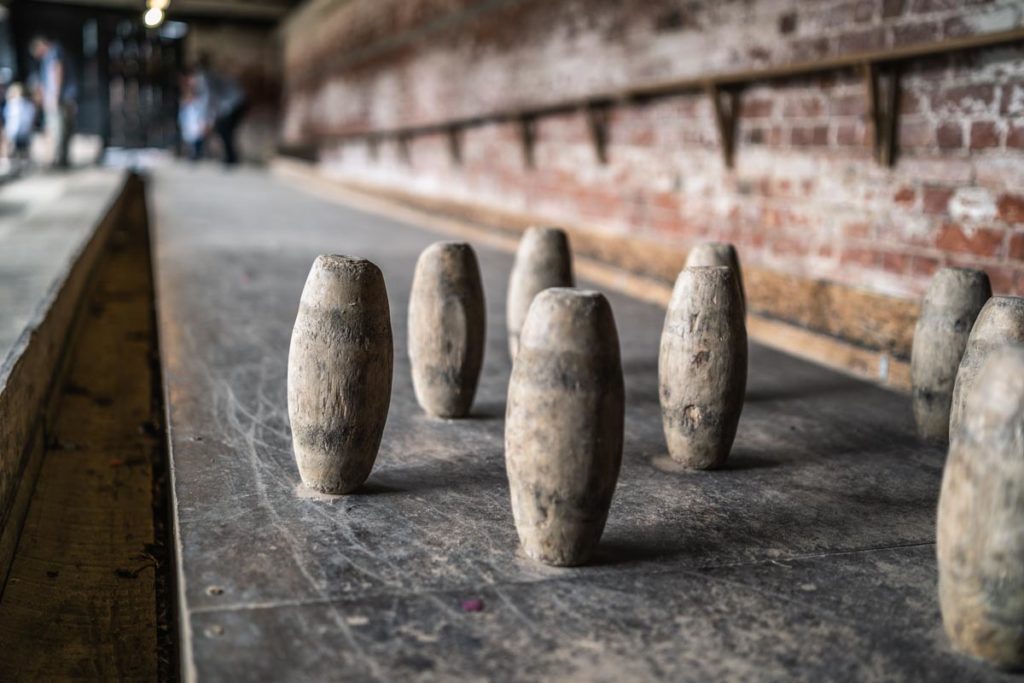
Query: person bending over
226, 106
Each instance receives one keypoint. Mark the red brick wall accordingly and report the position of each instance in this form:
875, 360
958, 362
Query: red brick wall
805, 196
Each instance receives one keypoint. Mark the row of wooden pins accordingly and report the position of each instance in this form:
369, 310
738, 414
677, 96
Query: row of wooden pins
967, 375
566, 404
565, 408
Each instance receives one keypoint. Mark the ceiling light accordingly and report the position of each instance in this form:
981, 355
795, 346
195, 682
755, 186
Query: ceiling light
158, 4
153, 17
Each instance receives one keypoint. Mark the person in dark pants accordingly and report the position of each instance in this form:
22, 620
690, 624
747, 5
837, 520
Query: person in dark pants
226, 126
59, 95
226, 105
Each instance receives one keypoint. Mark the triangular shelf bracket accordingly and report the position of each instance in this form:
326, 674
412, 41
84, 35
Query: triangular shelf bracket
455, 145
882, 83
726, 103
528, 137
598, 117
403, 149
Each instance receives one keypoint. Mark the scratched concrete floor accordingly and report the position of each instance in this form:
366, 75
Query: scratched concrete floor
810, 557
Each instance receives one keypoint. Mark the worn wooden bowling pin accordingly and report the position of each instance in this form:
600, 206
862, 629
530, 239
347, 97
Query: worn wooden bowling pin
563, 426
446, 328
543, 260
948, 312
702, 366
717, 254
1000, 322
339, 373
981, 517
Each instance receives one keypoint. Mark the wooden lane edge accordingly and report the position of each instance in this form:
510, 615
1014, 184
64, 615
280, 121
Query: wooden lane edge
34, 370
860, 333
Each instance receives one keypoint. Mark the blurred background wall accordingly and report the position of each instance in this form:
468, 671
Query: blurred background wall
836, 241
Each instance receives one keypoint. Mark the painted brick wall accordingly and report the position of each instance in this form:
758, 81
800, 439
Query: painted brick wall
805, 197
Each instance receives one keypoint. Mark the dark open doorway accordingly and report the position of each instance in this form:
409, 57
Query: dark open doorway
127, 74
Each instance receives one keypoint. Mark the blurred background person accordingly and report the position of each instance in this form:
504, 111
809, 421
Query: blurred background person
193, 117
226, 104
58, 93
19, 120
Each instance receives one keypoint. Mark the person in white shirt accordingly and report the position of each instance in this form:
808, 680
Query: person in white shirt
192, 119
19, 119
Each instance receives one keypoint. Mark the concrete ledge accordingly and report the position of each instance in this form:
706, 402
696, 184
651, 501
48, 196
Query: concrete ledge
79, 221
864, 334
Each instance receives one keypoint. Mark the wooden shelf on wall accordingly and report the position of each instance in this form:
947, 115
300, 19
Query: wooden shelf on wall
881, 69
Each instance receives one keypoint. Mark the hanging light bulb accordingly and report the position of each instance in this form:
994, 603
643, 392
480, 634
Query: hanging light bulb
153, 17
158, 4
